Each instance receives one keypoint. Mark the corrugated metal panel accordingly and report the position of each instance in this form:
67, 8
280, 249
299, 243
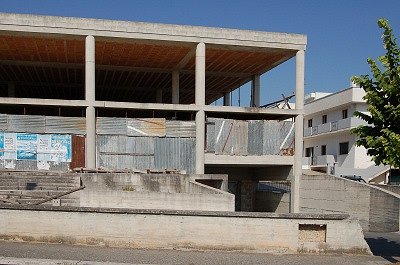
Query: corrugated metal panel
107, 125
78, 152
3, 122
26, 123
73, 125
112, 143
223, 136
146, 127
175, 153
240, 137
180, 129
140, 145
271, 138
210, 136
255, 137
286, 134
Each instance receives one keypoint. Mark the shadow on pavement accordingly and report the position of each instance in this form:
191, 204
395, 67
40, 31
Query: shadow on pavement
387, 249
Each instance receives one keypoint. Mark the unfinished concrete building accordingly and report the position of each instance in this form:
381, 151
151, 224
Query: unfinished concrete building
93, 93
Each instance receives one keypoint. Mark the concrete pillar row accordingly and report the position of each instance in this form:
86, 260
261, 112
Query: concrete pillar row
175, 87
298, 147
227, 99
90, 97
255, 91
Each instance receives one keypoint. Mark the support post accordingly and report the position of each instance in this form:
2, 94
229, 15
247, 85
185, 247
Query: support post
11, 89
159, 96
295, 192
255, 91
90, 98
200, 95
200, 136
227, 99
175, 87
200, 85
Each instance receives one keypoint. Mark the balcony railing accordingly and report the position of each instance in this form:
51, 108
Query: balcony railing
319, 160
343, 124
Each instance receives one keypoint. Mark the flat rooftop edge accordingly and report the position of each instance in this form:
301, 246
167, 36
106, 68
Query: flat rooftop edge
102, 27
307, 216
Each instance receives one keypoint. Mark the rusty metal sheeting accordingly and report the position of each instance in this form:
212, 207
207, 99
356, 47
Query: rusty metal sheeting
3, 122
26, 123
255, 138
180, 128
286, 135
115, 144
175, 153
109, 125
146, 127
73, 125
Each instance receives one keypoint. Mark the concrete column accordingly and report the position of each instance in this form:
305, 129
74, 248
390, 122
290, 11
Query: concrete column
200, 136
255, 91
175, 87
200, 85
90, 98
227, 99
295, 196
11, 89
159, 96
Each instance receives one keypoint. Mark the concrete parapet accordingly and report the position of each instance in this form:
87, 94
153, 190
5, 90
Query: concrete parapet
376, 208
259, 232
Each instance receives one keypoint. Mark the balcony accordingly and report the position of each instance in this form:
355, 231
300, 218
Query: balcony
339, 125
322, 160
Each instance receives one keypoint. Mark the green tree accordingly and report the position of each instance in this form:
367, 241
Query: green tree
381, 135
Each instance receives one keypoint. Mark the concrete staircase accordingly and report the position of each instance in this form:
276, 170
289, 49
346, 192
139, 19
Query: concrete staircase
18, 187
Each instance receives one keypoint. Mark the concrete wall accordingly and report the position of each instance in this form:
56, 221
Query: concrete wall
272, 202
258, 232
376, 209
152, 191
392, 188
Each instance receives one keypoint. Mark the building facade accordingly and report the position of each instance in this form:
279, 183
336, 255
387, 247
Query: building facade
93, 93
328, 144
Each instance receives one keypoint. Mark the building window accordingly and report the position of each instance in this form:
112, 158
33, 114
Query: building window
309, 123
309, 151
343, 148
323, 150
324, 119
344, 114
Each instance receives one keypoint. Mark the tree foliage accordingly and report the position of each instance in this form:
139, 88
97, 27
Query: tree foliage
381, 136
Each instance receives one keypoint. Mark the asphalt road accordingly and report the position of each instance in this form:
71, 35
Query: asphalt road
12, 252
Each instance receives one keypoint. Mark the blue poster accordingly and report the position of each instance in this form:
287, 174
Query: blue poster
61, 147
1, 144
26, 146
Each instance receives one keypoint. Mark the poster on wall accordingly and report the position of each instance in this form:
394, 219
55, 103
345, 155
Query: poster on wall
26, 146
61, 148
10, 140
44, 147
1, 145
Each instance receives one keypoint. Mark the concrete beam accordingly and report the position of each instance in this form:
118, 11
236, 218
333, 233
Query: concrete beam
43, 102
47, 25
265, 160
90, 98
186, 59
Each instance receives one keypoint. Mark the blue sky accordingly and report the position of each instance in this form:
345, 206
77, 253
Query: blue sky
342, 34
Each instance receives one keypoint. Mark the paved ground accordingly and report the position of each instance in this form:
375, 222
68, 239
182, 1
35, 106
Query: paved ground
41, 254
386, 245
